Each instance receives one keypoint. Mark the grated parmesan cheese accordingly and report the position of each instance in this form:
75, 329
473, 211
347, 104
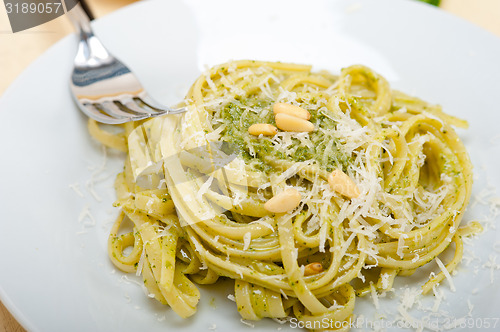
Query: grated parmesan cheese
401, 246
247, 323
76, 189
247, 238
446, 274
374, 295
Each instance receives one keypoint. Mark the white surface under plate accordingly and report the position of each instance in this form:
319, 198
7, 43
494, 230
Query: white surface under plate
55, 273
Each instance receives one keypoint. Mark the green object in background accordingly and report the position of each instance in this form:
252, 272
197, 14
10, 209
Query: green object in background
432, 2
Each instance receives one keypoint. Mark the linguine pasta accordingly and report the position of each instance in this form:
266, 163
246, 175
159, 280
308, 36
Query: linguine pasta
195, 187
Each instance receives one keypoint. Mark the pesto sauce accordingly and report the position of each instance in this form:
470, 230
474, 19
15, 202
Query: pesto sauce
238, 118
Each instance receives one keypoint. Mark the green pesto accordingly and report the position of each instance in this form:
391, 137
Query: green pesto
237, 120
432, 2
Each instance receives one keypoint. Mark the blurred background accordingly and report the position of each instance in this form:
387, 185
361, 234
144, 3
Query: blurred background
18, 50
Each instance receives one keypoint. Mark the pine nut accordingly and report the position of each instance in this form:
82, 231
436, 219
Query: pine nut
313, 268
292, 110
283, 202
292, 123
343, 184
262, 128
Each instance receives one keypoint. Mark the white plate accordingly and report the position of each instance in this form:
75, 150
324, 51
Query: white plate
56, 278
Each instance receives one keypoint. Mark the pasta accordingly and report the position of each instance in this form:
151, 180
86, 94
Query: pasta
344, 186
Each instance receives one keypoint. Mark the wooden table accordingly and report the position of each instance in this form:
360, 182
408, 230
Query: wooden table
18, 50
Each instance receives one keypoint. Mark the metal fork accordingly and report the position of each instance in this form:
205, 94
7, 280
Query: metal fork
102, 86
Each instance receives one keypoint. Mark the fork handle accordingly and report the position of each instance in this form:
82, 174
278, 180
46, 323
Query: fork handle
89, 46
80, 19
87, 10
